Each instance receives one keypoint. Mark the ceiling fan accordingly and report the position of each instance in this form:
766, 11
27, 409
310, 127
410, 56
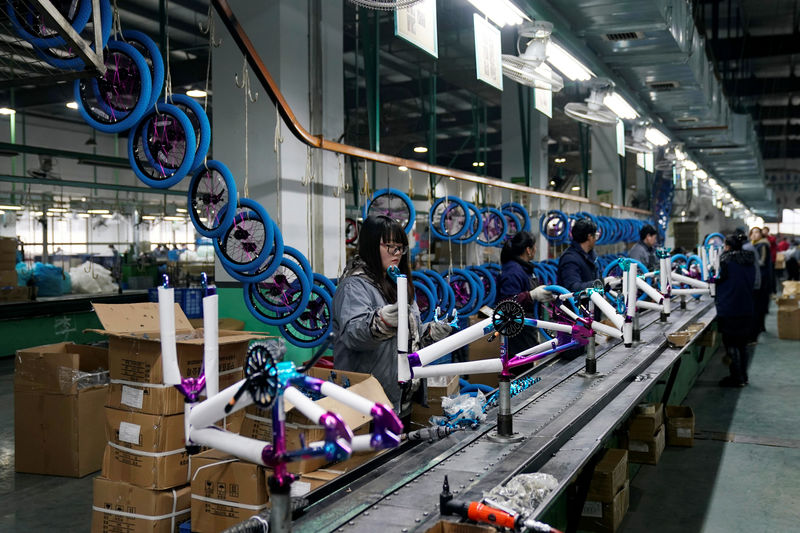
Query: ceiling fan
592, 110
526, 67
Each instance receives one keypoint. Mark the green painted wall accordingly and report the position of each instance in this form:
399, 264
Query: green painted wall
24, 333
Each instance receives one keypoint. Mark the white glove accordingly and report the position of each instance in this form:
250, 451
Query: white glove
438, 330
540, 294
384, 324
612, 282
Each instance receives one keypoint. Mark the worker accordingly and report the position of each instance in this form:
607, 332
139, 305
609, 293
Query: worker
764, 264
735, 306
644, 251
577, 267
518, 282
365, 314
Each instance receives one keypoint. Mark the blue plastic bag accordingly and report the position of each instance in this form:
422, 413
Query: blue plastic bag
48, 279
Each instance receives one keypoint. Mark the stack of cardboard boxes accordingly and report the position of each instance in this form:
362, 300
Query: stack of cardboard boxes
789, 311
609, 495
646, 436
9, 291
146, 469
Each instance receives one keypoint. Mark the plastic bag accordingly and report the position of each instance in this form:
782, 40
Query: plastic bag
463, 410
524, 492
91, 279
48, 279
24, 274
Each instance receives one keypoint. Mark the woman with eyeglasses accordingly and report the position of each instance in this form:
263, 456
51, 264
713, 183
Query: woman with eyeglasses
365, 310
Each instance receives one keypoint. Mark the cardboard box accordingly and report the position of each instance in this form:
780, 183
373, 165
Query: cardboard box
789, 318
145, 450
420, 414
121, 507
790, 288
257, 422
8, 278
225, 491
605, 516
646, 450
609, 476
440, 387
59, 393
680, 425
135, 356
317, 478
443, 526
646, 420
17, 294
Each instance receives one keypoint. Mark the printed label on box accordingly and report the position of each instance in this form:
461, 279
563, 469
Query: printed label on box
684, 433
129, 432
638, 446
132, 397
300, 488
592, 509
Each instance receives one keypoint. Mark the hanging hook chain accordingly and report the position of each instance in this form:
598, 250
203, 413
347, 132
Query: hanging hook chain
245, 82
210, 30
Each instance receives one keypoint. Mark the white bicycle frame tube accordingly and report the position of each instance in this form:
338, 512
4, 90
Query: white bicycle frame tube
629, 283
211, 344
650, 291
552, 344
664, 283
686, 280
553, 326
350, 399
606, 330
607, 309
209, 411
304, 404
433, 352
403, 371
641, 304
485, 366
237, 445
169, 352
360, 443
704, 262
690, 292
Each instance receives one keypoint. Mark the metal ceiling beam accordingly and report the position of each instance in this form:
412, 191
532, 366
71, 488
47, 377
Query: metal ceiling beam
49, 182
754, 47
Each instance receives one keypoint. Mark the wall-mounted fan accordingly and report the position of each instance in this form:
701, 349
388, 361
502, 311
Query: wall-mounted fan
46, 168
594, 111
638, 143
526, 67
385, 5
669, 158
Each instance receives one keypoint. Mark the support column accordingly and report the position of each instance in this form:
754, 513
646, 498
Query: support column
605, 184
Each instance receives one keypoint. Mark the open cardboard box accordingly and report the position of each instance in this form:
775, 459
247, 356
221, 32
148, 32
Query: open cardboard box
122, 507
134, 345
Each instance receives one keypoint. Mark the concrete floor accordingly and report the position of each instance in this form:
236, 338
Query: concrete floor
741, 473
739, 476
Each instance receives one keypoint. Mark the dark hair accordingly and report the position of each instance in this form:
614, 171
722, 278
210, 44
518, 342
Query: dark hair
517, 244
374, 230
582, 228
646, 231
736, 240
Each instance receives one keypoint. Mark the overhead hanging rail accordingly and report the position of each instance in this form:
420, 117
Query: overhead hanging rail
317, 141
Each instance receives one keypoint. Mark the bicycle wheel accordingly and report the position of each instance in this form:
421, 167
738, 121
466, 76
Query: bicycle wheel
394, 204
475, 227
117, 100
467, 290
314, 324
152, 55
350, 231
513, 223
554, 225
520, 211
267, 267
429, 284
324, 283
425, 301
29, 24
161, 146
211, 190
287, 290
246, 243
488, 282
66, 59
444, 292
301, 261
449, 218
200, 124
714, 239
494, 227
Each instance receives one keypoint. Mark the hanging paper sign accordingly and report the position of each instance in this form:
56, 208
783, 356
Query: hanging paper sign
488, 60
543, 98
640, 160
621, 138
649, 162
417, 25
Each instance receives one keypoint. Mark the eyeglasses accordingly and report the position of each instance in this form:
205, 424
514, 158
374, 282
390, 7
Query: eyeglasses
395, 249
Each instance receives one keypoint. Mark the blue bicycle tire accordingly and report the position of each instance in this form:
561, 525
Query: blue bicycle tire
267, 267
189, 140
157, 71
203, 141
412, 213
473, 303
495, 213
317, 337
260, 214
305, 295
544, 221
446, 296
301, 260
515, 223
521, 212
476, 226
324, 282
711, 236
439, 232
227, 214
427, 315
79, 21
484, 273
428, 282
76, 63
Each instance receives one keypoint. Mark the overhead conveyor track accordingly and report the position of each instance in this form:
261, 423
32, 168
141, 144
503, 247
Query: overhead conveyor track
402, 494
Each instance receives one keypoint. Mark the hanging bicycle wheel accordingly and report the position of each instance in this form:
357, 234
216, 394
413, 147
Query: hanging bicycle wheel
521, 213
494, 227
161, 146
488, 282
314, 324
475, 227
117, 100
65, 58
324, 283
267, 267
29, 24
467, 289
350, 231
211, 190
246, 243
202, 128
513, 222
429, 284
282, 297
714, 239
554, 225
394, 204
444, 293
426, 301
152, 55
295, 255
613, 268
449, 218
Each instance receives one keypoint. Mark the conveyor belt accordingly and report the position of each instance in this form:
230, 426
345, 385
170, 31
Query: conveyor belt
402, 494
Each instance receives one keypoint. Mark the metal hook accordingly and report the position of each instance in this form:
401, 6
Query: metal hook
208, 29
245, 83
165, 281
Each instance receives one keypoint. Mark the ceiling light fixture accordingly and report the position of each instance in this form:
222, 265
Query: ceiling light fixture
689, 165
620, 106
181, 210
57, 210
420, 149
656, 137
196, 93
11, 207
402, 168
566, 64
148, 217
576, 187
175, 219
98, 211
560, 160
7, 111
38, 213
501, 12
552, 183
72, 105
84, 215
107, 215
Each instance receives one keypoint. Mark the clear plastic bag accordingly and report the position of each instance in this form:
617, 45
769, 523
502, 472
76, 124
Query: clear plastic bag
523, 493
84, 380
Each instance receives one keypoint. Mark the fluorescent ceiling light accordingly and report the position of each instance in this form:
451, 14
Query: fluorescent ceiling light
51, 214
196, 93
656, 137
552, 182
72, 105
700, 174
420, 149
690, 165
566, 64
148, 217
38, 213
402, 168
58, 210
7, 111
576, 188
501, 12
560, 160
175, 219
679, 155
84, 215
181, 209
11, 207
107, 215
620, 106
98, 211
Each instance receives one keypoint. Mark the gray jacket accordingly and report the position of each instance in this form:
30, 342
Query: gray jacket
647, 255
749, 247
355, 349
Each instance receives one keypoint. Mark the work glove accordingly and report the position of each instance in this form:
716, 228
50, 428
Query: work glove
540, 294
438, 330
384, 322
612, 282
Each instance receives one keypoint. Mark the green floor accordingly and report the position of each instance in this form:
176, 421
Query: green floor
741, 474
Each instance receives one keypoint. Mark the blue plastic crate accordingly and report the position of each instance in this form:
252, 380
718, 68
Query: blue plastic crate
185, 527
190, 300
